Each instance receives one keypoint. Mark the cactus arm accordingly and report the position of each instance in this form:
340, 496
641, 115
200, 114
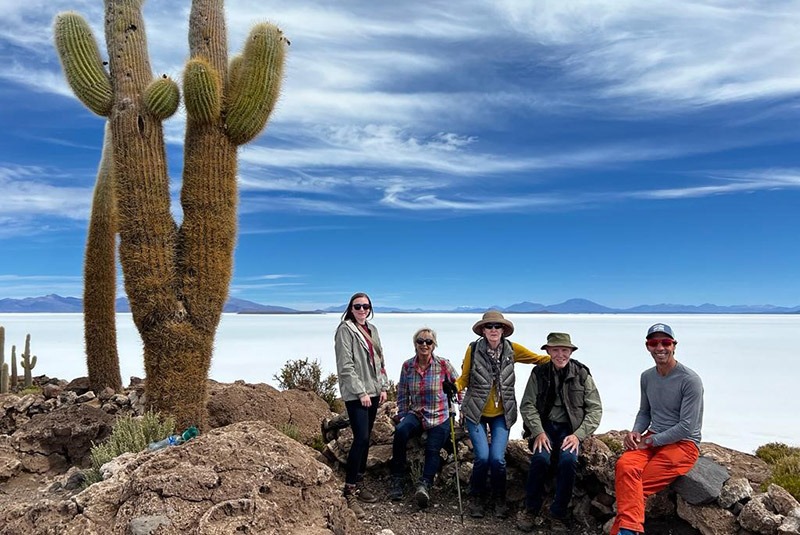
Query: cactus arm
255, 87
4, 379
81, 62
161, 98
202, 91
100, 276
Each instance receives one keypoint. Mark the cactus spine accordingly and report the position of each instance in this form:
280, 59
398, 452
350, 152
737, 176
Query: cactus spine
177, 278
100, 279
27, 362
14, 379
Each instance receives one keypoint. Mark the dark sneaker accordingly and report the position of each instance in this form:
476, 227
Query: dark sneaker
365, 495
477, 508
396, 489
422, 495
526, 520
501, 510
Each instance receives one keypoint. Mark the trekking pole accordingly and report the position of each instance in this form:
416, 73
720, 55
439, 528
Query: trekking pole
455, 453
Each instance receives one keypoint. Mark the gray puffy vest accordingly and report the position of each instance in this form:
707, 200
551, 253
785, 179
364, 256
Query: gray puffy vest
480, 383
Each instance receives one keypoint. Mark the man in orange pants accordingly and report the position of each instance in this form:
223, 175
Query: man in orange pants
666, 434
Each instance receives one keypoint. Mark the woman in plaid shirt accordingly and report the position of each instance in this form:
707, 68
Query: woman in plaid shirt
422, 406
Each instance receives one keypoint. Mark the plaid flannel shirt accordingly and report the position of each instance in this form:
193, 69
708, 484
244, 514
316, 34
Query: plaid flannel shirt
420, 391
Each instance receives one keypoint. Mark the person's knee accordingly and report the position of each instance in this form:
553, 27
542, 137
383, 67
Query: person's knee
540, 461
567, 461
627, 464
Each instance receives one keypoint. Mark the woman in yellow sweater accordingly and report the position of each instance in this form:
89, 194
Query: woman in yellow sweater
490, 402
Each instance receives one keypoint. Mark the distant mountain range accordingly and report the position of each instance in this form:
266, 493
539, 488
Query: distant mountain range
55, 303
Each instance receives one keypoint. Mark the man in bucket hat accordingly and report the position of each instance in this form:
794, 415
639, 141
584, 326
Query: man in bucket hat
491, 403
665, 439
561, 406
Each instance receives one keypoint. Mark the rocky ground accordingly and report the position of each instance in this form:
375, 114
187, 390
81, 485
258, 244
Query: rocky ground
247, 476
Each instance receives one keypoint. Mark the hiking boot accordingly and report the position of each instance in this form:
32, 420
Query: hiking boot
477, 507
365, 495
526, 520
501, 510
423, 495
352, 503
560, 524
396, 489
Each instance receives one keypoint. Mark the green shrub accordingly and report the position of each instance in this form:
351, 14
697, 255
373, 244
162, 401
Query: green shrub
305, 375
786, 473
318, 443
613, 444
129, 434
774, 451
290, 431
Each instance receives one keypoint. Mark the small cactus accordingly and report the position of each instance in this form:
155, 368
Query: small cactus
2, 346
4, 379
13, 377
28, 362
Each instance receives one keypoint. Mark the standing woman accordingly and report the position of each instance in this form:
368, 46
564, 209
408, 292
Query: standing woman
363, 384
490, 401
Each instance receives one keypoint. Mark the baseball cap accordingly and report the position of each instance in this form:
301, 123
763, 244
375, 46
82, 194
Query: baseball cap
660, 328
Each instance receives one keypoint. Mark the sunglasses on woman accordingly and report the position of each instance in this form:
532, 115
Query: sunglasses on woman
359, 306
493, 326
424, 341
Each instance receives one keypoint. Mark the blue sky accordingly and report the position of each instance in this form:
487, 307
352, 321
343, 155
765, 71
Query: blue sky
439, 154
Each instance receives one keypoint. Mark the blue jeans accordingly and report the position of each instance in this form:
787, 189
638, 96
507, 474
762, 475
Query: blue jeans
488, 457
411, 426
361, 422
566, 464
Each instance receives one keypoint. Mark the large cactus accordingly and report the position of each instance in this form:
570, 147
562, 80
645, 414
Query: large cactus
100, 279
176, 278
27, 362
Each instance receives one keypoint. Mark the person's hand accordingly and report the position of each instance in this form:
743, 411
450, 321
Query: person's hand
541, 443
365, 401
632, 440
382, 398
396, 418
450, 388
570, 443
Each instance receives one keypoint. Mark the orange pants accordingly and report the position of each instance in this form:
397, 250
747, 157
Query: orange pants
641, 473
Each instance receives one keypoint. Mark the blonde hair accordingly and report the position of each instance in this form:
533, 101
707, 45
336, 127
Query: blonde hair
425, 330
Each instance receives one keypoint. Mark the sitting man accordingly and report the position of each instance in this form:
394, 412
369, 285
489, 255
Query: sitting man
666, 434
422, 405
561, 406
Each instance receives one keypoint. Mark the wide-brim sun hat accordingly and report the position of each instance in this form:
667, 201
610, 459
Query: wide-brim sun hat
493, 316
559, 340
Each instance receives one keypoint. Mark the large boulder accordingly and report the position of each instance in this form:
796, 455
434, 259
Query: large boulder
703, 483
240, 401
244, 478
61, 438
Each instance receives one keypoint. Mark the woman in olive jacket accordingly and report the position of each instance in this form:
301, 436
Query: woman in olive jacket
363, 383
